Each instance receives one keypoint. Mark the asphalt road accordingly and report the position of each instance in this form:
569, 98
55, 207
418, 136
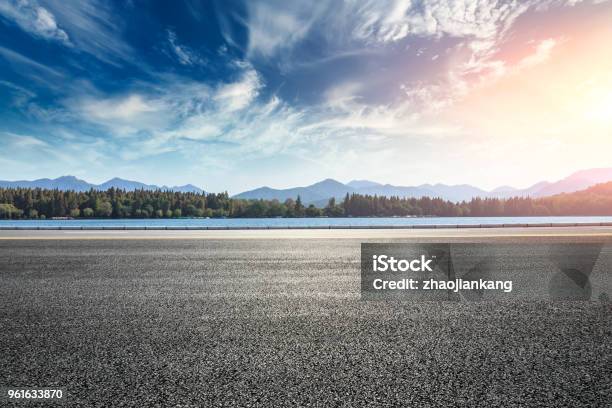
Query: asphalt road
278, 322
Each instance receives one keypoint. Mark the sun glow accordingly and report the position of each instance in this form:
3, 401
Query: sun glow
599, 107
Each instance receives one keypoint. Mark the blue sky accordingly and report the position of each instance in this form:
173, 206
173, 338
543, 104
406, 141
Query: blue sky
232, 95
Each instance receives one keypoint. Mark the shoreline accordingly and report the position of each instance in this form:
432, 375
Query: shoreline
557, 232
313, 227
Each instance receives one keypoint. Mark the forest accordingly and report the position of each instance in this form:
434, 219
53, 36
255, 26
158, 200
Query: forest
24, 203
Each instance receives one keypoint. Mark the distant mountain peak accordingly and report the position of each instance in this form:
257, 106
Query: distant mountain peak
187, 188
320, 192
69, 182
323, 190
362, 183
327, 181
503, 189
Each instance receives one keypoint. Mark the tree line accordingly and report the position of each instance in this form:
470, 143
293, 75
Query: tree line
19, 203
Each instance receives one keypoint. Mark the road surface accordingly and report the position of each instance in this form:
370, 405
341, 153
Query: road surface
213, 319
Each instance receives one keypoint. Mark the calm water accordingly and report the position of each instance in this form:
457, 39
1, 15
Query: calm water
298, 222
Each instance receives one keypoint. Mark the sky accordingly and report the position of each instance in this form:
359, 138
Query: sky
233, 95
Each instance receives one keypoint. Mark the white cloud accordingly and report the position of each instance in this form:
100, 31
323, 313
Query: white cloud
540, 55
24, 140
33, 70
177, 115
92, 26
95, 27
127, 108
184, 54
279, 25
342, 95
575, 2
481, 22
126, 115
442, 92
21, 95
240, 94
173, 113
180, 116
15, 57
33, 18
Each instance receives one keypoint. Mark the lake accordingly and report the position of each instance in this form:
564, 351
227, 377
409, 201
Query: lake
238, 223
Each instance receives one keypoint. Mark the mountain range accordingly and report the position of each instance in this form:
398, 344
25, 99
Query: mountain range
320, 192
75, 184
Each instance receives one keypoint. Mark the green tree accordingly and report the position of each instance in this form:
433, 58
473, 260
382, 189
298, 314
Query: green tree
312, 211
275, 209
10, 211
299, 207
256, 209
17, 202
332, 209
104, 209
289, 207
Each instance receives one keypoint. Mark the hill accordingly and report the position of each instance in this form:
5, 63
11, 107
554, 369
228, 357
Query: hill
319, 193
71, 183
